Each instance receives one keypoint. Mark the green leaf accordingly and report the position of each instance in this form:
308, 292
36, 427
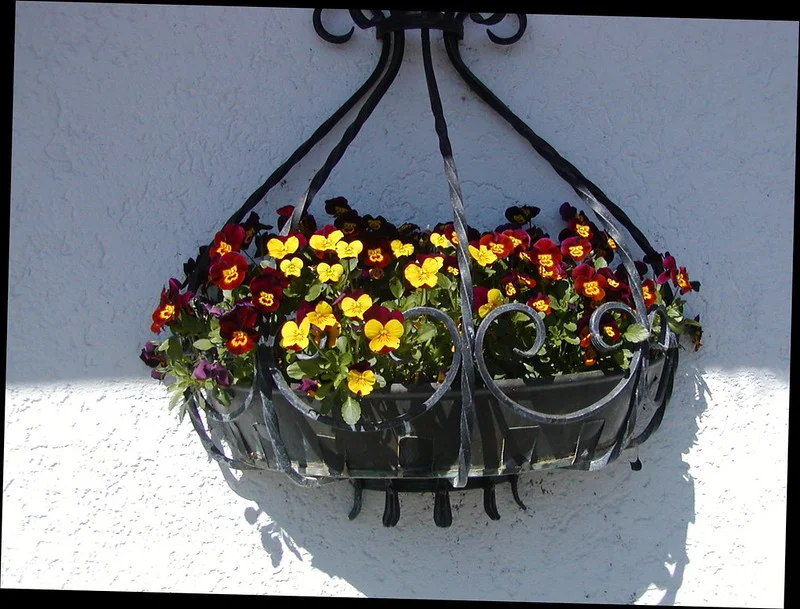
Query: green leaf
314, 291
178, 395
294, 371
636, 333
425, 332
396, 286
572, 340
163, 346
203, 344
351, 411
444, 281
599, 263
380, 381
571, 326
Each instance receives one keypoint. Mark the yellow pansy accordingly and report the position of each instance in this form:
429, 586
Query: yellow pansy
383, 338
325, 244
329, 272
483, 255
440, 240
424, 275
292, 267
294, 336
401, 249
352, 307
361, 382
279, 249
494, 300
349, 250
322, 316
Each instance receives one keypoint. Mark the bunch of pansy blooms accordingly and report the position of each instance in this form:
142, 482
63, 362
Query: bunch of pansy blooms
334, 297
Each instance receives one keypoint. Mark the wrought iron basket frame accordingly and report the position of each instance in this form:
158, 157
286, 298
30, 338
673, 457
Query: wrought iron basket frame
468, 341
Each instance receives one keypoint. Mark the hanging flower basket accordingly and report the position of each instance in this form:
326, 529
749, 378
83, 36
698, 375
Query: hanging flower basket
406, 358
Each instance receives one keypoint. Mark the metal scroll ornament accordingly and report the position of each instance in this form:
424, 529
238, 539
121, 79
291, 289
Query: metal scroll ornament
390, 28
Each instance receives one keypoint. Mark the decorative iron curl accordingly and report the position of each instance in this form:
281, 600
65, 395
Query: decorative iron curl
310, 412
534, 415
358, 18
494, 19
408, 20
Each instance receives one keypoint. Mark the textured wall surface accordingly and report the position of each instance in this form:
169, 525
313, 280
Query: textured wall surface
139, 129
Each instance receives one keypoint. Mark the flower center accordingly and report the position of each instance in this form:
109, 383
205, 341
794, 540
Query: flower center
546, 260
510, 289
230, 275
375, 255
576, 251
266, 299
582, 230
167, 312
239, 338
613, 283
224, 248
590, 288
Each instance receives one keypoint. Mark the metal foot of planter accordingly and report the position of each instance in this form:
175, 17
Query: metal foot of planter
470, 431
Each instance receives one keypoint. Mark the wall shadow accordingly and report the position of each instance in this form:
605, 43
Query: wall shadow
609, 536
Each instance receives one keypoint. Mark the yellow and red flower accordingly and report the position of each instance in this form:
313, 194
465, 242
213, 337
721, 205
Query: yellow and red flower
540, 303
237, 328
679, 276
546, 256
377, 255
615, 287
588, 283
519, 238
649, 292
485, 300
229, 239
508, 284
499, 244
608, 326
360, 379
228, 271
581, 227
170, 305
267, 290
451, 265
383, 328
576, 248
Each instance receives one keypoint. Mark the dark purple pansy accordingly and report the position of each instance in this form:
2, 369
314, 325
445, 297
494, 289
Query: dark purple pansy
151, 357
207, 371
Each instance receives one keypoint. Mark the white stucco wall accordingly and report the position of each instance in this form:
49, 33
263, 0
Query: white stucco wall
138, 129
